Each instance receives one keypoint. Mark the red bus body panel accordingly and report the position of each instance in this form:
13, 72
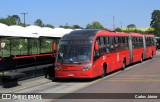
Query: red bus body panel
113, 60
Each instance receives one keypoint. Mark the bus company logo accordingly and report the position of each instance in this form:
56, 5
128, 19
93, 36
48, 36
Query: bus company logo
104, 57
6, 96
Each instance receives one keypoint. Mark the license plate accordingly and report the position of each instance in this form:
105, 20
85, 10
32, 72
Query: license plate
70, 75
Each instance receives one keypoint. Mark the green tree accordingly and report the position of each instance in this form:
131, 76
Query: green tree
3, 20
150, 30
71, 27
17, 19
76, 27
118, 30
94, 25
67, 26
131, 26
39, 22
155, 23
11, 20
49, 25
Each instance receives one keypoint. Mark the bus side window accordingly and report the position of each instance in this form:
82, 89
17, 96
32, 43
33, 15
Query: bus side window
102, 45
149, 41
107, 44
141, 42
152, 41
126, 43
111, 42
138, 42
123, 43
119, 41
116, 45
133, 41
146, 41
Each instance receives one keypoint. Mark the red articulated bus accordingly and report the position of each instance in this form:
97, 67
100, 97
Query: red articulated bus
92, 53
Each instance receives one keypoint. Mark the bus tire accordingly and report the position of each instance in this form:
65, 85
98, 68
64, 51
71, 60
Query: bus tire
141, 60
152, 55
124, 64
103, 71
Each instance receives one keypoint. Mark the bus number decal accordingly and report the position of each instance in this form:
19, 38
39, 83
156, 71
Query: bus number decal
104, 57
117, 57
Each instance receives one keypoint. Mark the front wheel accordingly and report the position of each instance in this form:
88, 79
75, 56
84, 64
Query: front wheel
103, 72
152, 55
124, 65
141, 60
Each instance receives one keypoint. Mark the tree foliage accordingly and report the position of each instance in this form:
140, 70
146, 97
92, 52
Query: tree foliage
94, 25
17, 19
71, 27
137, 30
118, 30
39, 22
3, 20
11, 20
76, 27
131, 27
155, 23
49, 25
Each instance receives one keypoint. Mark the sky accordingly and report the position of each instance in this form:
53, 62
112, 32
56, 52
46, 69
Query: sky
82, 12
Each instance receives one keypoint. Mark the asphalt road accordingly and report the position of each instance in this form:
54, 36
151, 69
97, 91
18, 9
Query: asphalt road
139, 78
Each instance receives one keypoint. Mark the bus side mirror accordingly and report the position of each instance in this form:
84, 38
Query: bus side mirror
96, 46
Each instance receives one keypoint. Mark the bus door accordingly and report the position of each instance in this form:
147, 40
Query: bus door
97, 57
103, 54
118, 44
112, 56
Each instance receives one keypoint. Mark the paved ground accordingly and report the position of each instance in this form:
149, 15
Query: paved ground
139, 78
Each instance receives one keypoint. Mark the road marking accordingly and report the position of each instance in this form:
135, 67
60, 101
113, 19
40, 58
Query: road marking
141, 75
145, 80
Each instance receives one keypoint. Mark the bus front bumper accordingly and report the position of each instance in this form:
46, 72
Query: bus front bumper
73, 74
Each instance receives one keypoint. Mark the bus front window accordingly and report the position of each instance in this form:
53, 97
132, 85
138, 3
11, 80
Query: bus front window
74, 51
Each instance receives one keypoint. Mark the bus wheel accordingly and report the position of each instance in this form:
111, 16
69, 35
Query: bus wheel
103, 71
152, 55
141, 59
124, 64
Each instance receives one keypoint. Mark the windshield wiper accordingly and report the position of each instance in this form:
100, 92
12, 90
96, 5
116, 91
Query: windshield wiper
78, 62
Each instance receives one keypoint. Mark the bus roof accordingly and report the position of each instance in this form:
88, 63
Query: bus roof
136, 34
81, 34
148, 35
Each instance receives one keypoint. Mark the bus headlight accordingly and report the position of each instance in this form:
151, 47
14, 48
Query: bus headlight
57, 67
87, 67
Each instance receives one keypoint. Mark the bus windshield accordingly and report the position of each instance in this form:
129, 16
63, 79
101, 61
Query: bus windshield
74, 51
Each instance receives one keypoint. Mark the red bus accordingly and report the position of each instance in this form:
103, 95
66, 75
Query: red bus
92, 53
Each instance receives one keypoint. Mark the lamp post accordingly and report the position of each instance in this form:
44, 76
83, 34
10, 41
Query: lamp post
24, 18
113, 23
